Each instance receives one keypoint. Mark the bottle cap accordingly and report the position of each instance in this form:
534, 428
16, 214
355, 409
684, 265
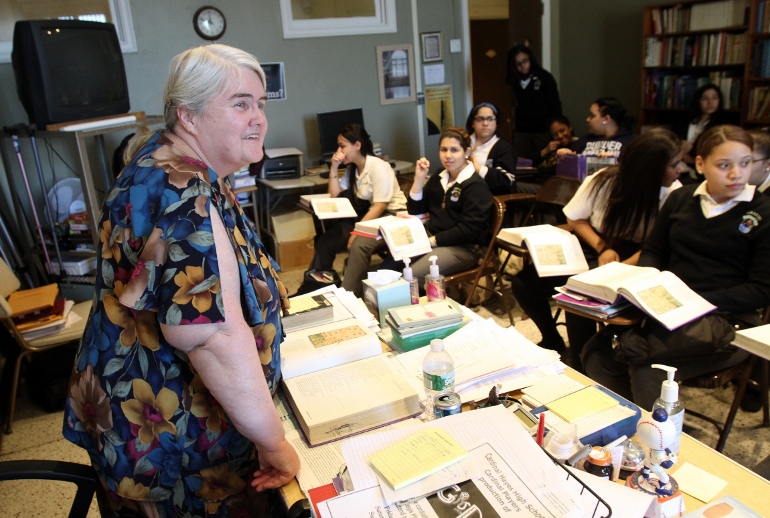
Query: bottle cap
669, 389
433, 266
436, 345
407, 270
600, 456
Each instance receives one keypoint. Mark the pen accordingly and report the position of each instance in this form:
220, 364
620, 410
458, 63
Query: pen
541, 430
579, 455
616, 442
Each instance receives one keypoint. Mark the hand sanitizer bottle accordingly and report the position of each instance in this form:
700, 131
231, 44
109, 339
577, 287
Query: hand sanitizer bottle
669, 400
438, 374
414, 288
434, 283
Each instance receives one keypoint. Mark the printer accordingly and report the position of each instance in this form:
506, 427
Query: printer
282, 163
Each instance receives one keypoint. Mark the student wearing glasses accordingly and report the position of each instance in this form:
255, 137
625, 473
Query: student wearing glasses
493, 158
760, 161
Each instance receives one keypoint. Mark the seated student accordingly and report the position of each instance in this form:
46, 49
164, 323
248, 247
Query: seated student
493, 158
561, 138
760, 161
706, 111
459, 203
610, 127
370, 184
612, 212
714, 236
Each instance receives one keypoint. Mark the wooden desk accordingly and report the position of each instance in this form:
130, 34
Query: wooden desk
743, 484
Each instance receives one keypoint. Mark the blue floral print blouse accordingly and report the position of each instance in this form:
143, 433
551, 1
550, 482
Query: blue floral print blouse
152, 429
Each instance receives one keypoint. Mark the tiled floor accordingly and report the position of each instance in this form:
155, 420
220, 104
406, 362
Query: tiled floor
37, 435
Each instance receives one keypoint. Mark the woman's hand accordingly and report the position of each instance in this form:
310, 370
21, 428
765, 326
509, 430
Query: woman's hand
608, 256
432, 241
564, 152
421, 168
277, 467
476, 165
337, 158
350, 240
550, 148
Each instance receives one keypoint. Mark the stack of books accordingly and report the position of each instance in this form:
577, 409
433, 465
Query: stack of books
308, 310
39, 311
416, 319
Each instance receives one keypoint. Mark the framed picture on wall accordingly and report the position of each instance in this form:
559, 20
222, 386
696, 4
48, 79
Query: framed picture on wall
395, 68
431, 46
275, 81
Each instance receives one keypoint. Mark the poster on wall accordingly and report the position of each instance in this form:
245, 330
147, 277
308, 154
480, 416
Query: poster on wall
438, 104
276, 84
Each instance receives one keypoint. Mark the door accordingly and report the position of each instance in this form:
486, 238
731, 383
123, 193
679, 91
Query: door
489, 49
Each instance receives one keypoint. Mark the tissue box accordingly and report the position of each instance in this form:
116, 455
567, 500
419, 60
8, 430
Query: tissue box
380, 298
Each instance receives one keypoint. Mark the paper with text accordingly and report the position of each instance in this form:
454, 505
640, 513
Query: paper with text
581, 404
550, 389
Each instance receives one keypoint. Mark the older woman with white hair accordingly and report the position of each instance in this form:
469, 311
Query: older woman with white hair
171, 390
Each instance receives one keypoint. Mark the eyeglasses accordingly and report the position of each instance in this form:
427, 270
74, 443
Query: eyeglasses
481, 120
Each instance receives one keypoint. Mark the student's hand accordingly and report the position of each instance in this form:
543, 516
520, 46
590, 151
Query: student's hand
337, 158
564, 152
550, 148
350, 240
608, 256
476, 165
686, 146
421, 168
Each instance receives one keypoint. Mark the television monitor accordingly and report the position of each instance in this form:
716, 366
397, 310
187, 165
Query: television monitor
330, 124
68, 70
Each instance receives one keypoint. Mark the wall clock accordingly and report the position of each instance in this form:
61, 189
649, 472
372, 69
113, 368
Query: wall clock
209, 23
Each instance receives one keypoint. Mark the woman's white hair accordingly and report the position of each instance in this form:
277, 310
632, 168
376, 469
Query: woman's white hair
199, 74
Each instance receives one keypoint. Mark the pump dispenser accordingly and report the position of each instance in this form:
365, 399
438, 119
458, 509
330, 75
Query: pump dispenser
414, 288
434, 282
669, 400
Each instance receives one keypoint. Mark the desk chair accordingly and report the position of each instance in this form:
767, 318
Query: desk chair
79, 474
490, 262
8, 284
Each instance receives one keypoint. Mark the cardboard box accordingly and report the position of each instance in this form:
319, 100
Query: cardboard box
295, 255
295, 238
379, 299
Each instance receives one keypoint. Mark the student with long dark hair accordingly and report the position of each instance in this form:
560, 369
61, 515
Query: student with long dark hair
714, 236
706, 111
536, 101
493, 158
612, 213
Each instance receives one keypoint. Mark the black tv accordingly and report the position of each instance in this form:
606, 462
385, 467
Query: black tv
330, 124
68, 70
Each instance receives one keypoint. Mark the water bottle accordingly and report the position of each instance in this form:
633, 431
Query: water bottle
438, 374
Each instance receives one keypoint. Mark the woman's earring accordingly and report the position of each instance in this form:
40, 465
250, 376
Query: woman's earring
604, 122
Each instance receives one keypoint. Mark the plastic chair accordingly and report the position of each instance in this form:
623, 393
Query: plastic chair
79, 474
490, 262
8, 284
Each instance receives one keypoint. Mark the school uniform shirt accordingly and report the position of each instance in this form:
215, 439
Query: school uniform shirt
537, 100
377, 183
498, 160
594, 146
459, 212
591, 205
724, 257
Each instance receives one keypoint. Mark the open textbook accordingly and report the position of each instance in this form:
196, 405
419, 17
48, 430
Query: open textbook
330, 208
405, 237
554, 251
662, 295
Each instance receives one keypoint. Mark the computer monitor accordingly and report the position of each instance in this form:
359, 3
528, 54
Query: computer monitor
330, 124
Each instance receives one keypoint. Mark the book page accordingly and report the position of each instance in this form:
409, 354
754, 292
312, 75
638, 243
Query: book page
330, 208
755, 339
417, 457
581, 404
328, 345
666, 298
556, 253
604, 282
516, 235
405, 238
307, 303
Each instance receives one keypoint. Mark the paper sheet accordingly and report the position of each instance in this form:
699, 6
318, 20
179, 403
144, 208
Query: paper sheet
581, 404
508, 381
698, 483
590, 424
551, 389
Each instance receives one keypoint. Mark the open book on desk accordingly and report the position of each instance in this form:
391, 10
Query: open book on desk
554, 251
662, 295
331, 208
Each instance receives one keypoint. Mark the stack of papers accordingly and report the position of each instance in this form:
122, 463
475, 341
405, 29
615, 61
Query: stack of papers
418, 318
308, 310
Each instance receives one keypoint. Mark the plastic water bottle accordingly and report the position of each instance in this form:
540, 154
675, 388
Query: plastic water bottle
438, 374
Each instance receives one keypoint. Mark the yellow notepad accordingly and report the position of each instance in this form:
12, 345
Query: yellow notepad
580, 404
416, 457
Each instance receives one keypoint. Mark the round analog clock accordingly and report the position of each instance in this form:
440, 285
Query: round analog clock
209, 23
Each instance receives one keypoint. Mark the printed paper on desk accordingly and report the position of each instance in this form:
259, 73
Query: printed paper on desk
581, 404
698, 482
550, 390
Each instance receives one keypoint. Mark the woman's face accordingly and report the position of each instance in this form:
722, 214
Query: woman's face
727, 169
453, 155
596, 121
562, 133
760, 165
350, 150
232, 131
709, 102
673, 169
484, 124
522, 63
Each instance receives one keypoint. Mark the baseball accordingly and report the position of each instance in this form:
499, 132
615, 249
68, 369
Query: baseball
656, 434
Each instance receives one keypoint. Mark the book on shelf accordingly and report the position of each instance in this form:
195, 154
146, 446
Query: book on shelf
554, 251
331, 208
327, 345
405, 237
351, 398
305, 199
755, 340
307, 310
662, 295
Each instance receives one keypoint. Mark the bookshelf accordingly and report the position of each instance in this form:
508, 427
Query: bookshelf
688, 44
